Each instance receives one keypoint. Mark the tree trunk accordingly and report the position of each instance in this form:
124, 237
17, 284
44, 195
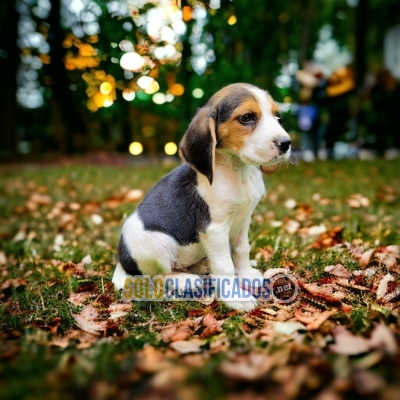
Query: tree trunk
9, 59
305, 32
71, 117
361, 42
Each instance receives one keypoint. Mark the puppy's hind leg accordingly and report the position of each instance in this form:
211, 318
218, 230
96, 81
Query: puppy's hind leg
201, 268
153, 251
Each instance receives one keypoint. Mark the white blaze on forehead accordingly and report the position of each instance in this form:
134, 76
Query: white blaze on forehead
264, 100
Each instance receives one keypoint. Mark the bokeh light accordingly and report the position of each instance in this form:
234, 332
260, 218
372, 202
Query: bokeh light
145, 81
128, 94
232, 20
107, 103
198, 93
153, 87
170, 148
177, 89
135, 148
159, 98
132, 61
106, 88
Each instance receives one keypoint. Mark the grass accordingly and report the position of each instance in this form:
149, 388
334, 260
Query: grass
40, 264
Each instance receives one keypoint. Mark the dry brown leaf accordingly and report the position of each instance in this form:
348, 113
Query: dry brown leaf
118, 310
348, 344
179, 331
15, 283
338, 270
383, 286
60, 341
212, 326
327, 292
134, 195
187, 346
312, 326
266, 253
382, 338
77, 299
170, 378
40, 199
220, 344
3, 258
248, 367
150, 360
328, 239
88, 320
367, 382
362, 257
85, 339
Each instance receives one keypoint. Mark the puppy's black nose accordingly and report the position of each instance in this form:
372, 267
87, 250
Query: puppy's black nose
283, 144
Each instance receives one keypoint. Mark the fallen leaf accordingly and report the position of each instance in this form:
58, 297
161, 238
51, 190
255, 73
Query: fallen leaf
134, 195
348, 344
3, 258
338, 270
248, 367
288, 328
367, 383
119, 310
327, 292
383, 286
328, 239
88, 320
150, 360
312, 326
212, 326
266, 253
179, 331
187, 346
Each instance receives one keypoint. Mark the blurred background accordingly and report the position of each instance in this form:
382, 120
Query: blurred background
126, 76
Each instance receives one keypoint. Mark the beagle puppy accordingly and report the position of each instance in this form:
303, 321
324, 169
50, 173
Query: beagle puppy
202, 209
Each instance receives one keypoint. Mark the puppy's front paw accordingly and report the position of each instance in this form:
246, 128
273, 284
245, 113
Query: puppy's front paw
245, 306
249, 273
242, 300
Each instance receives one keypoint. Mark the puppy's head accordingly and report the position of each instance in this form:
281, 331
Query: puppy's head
240, 119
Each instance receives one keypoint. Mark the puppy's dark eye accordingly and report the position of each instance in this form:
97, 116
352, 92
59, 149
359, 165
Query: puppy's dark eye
247, 119
279, 117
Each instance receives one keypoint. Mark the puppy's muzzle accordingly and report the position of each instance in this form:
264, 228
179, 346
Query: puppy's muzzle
283, 144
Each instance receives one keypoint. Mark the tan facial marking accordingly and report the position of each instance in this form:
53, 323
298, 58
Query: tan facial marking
232, 133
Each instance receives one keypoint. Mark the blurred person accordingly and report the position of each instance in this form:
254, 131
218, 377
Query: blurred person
339, 88
311, 95
382, 116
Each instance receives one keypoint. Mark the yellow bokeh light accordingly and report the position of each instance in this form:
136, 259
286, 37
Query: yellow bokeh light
154, 87
135, 148
106, 88
232, 20
170, 148
177, 89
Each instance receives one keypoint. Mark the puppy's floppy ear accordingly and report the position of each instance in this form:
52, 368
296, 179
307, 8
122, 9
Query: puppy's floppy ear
198, 144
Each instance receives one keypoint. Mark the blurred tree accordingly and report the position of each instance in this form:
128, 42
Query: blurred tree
93, 103
9, 59
68, 121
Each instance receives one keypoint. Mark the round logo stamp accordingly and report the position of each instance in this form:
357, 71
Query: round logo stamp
284, 288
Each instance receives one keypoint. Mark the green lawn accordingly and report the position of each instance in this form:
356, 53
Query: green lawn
66, 333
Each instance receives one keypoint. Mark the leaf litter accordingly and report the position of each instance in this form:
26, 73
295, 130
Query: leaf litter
331, 341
